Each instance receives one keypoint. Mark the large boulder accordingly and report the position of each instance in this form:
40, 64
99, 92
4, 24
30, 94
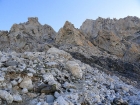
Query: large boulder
75, 69
6, 96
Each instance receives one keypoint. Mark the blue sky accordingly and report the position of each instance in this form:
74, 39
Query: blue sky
56, 12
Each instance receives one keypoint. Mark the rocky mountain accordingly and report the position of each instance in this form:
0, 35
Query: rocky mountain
73, 40
28, 36
98, 64
117, 37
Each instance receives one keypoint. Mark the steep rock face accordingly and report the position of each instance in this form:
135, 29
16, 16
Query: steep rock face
71, 39
4, 40
122, 27
70, 35
117, 37
106, 39
29, 36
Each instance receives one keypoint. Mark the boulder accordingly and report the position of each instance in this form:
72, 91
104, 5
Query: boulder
49, 98
61, 53
26, 83
75, 69
17, 98
6, 96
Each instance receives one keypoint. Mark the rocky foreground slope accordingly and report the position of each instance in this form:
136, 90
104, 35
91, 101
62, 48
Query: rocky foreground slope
98, 64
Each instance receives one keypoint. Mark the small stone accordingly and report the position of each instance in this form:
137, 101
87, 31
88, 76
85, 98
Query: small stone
1, 79
119, 101
9, 85
56, 94
24, 90
51, 65
39, 103
17, 98
49, 89
30, 74
3, 59
32, 95
61, 101
19, 80
68, 85
125, 89
45, 103
26, 83
31, 70
97, 98
11, 63
50, 99
14, 82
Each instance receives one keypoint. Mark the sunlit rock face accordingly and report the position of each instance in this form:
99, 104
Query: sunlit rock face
118, 37
122, 27
28, 36
72, 39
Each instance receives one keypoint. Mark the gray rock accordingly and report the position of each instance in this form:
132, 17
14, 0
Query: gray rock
17, 98
119, 101
24, 90
56, 94
11, 63
61, 101
6, 96
50, 98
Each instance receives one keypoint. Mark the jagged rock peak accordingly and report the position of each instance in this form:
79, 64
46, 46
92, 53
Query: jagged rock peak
68, 25
33, 20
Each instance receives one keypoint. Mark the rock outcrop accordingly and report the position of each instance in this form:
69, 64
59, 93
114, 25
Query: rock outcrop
122, 27
118, 37
71, 39
28, 36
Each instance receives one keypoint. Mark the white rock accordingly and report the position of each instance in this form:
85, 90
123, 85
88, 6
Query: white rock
45, 103
9, 85
3, 59
68, 85
56, 94
14, 82
59, 52
30, 74
1, 79
50, 99
19, 79
74, 69
52, 64
97, 98
26, 83
17, 98
48, 77
24, 90
61, 101
6, 96
39, 103
31, 70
